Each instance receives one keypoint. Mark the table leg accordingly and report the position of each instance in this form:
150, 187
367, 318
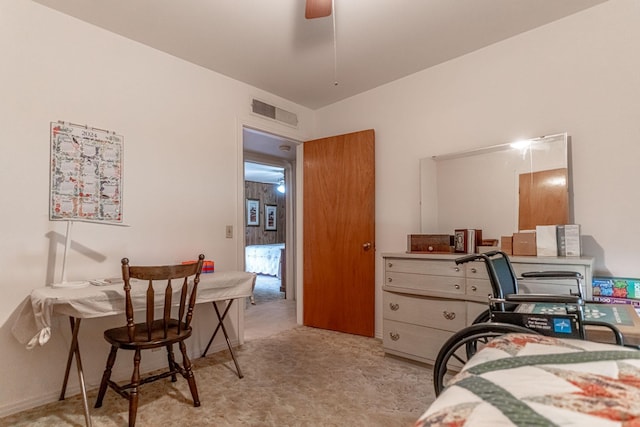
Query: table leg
74, 349
226, 335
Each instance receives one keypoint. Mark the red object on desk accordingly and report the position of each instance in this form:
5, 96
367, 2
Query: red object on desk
207, 265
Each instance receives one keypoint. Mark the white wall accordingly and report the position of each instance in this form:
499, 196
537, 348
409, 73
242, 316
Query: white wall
578, 75
181, 125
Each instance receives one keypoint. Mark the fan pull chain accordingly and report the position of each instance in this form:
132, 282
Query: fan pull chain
335, 45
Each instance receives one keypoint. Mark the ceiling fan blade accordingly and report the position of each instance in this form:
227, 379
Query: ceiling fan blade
317, 9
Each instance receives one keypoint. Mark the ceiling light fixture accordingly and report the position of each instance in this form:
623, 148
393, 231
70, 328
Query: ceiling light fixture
284, 147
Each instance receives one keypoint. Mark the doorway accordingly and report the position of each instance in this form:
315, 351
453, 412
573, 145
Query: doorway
269, 227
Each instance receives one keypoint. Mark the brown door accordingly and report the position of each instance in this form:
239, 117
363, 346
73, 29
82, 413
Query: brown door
543, 198
339, 227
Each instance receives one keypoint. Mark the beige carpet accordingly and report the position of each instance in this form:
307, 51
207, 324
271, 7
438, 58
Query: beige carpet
267, 289
297, 377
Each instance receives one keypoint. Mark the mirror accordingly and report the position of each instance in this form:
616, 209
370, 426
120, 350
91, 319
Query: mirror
500, 189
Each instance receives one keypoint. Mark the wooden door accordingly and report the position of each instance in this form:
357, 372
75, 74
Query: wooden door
339, 228
543, 198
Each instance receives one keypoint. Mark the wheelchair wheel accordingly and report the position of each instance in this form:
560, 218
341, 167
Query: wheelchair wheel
483, 317
451, 357
472, 346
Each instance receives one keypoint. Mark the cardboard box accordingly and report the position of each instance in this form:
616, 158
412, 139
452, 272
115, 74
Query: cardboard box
506, 244
429, 243
524, 244
546, 240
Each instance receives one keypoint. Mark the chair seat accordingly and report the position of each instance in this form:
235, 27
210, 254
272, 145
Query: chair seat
119, 337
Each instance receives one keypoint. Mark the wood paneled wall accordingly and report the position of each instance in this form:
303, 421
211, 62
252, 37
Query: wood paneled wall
267, 195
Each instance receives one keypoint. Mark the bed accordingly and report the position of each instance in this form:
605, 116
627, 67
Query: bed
264, 259
534, 380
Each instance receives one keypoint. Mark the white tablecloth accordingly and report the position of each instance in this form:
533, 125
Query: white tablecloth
33, 325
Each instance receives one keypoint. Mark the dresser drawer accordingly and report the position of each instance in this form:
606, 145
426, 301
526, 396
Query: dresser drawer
479, 289
430, 267
474, 310
476, 270
413, 341
423, 282
449, 315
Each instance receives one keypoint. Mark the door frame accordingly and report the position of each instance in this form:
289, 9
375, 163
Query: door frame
293, 233
289, 196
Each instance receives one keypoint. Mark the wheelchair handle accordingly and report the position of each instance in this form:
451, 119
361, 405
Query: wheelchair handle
468, 258
479, 257
494, 253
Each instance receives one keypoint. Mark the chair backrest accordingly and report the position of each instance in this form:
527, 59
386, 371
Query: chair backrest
162, 276
501, 275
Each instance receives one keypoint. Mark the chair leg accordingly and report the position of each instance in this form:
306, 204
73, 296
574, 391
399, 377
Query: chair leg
172, 362
133, 393
188, 374
106, 376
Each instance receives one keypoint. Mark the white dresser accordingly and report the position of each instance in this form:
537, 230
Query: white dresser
427, 297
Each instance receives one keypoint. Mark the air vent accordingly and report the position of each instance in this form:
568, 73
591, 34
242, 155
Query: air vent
275, 113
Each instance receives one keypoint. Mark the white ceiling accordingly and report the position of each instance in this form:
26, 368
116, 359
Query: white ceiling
269, 145
270, 45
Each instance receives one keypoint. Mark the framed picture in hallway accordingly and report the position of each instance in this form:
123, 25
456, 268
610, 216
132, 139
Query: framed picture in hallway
253, 212
270, 217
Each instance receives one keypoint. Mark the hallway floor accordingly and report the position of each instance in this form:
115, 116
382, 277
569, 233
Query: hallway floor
268, 316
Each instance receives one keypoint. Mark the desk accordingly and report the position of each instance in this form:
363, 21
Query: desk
33, 324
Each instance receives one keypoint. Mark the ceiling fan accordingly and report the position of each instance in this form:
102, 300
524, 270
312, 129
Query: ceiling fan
317, 9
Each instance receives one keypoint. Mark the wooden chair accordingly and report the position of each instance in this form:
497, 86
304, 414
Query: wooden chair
154, 333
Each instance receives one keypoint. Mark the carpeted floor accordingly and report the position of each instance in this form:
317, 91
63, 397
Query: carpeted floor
267, 289
298, 377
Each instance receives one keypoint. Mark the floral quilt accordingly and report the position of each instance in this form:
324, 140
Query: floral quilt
533, 380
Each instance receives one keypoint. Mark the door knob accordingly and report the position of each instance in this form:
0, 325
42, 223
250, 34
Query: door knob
366, 246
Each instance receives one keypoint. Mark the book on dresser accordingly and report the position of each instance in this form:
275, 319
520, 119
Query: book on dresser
467, 240
568, 239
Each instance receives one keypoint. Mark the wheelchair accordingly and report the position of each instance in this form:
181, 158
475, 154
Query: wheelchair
567, 320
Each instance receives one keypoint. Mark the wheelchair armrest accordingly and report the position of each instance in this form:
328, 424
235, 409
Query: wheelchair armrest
551, 275
549, 298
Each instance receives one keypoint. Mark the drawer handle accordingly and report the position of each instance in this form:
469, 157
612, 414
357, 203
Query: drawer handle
394, 336
390, 265
449, 315
394, 306
474, 288
456, 286
473, 270
389, 279
456, 269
